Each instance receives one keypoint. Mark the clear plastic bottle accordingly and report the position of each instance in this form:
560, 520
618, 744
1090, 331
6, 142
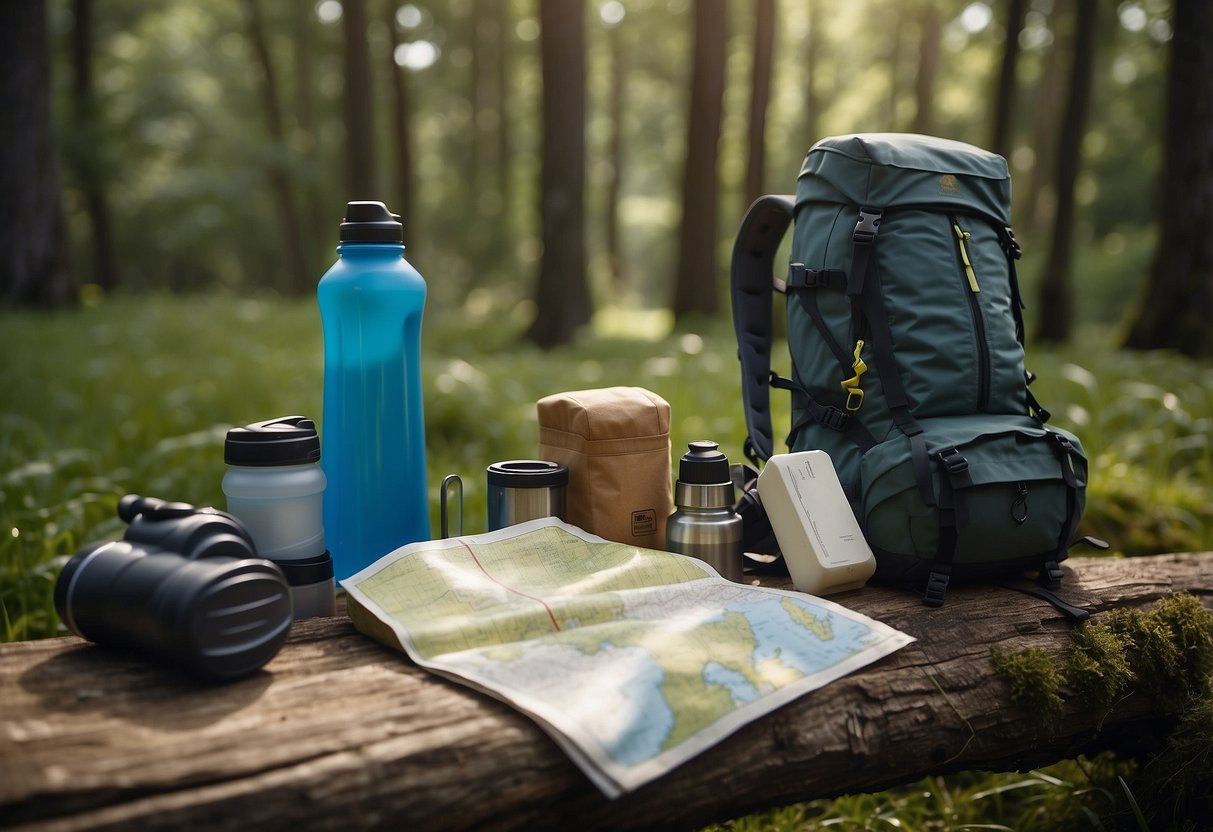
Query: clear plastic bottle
371, 302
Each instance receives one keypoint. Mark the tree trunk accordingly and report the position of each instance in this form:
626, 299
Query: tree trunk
814, 44
562, 295
362, 174
317, 222
298, 282
1039, 202
341, 733
505, 144
402, 135
1004, 94
1177, 310
33, 231
615, 108
930, 33
760, 96
86, 148
1056, 300
695, 288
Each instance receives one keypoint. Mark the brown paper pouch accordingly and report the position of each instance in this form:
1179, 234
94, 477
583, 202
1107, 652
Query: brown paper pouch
616, 444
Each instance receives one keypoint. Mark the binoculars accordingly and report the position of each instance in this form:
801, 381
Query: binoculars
184, 585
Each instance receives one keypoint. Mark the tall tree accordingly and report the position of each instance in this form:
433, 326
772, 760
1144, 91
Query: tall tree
297, 277
930, 33
615, 108
695, 287
1177, 310
86, 144
1055, 297
317, 221
814, 43
402, 134
33, 232
1004, 94
562, 295
1038, 206
760, 97
358, 99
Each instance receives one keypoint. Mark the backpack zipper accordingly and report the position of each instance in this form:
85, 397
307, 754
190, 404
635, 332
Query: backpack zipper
971, 290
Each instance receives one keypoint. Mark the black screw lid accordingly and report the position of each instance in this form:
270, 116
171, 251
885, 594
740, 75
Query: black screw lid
527, 473
289, 440
370, 222
703, 464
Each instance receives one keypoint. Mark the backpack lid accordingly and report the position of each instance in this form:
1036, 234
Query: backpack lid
887, 170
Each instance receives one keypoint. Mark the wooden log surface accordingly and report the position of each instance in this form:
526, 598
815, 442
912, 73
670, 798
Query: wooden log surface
338, 732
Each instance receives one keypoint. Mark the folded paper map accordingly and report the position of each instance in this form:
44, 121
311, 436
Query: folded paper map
633, 660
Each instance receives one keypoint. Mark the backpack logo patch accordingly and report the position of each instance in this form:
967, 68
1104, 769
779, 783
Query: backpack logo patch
949, 184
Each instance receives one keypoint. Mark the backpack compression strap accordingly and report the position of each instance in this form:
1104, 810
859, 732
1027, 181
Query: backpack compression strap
761, 231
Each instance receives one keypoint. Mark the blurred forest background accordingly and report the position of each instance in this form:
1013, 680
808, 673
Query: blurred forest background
551, 159
173, 174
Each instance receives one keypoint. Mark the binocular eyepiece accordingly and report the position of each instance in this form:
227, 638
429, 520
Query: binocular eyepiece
184, 585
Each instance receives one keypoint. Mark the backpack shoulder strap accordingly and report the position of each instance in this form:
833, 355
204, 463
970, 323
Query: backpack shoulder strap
752, 281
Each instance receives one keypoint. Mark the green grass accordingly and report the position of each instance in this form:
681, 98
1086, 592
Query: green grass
135, 395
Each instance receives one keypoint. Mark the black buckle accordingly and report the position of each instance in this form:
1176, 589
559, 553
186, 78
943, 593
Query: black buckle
1050, 575
867, 226
953, 460
1062, 442
833, 418
937, 586
1009, 244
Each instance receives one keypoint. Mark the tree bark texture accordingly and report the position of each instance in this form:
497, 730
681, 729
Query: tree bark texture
562, 296
1004, 93
34, 265
760, 97
402, 134
1177, 310
930, 35
88, 161
298, 281
337, 732
358, 98
615, 112
695, 288
1056, 290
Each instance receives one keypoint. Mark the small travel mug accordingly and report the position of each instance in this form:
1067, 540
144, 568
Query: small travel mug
525, 489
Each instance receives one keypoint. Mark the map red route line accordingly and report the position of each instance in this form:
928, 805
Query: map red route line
509, 588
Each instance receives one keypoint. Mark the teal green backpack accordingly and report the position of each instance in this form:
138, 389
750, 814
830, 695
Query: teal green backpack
905, 326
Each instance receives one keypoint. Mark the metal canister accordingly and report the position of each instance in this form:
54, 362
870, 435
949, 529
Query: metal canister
704, 524
525, 489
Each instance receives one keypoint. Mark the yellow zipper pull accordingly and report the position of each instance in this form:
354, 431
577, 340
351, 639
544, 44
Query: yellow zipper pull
961, 237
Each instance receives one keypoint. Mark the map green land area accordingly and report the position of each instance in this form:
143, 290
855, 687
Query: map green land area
633, 660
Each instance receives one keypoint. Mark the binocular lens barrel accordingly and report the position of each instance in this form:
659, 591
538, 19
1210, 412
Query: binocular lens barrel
217, 617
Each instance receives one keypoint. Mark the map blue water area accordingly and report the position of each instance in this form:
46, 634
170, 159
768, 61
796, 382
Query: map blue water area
651, 717
736, 684
781, 637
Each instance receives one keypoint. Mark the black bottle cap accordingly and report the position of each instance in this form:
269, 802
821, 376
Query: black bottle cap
527, 473
370, 222
703, 464
289, 440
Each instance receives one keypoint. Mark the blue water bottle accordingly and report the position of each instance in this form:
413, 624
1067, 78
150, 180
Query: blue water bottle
374, 431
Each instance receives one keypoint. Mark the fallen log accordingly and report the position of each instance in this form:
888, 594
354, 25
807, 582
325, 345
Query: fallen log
338, 732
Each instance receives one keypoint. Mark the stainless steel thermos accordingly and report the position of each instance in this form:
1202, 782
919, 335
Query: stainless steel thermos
704, 524
525, 489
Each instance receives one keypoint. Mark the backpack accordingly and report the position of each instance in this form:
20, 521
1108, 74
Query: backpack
905, 327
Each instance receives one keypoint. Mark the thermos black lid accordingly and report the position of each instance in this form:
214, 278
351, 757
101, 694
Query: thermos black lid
703, 464
289, 440
370, 222
527, 473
